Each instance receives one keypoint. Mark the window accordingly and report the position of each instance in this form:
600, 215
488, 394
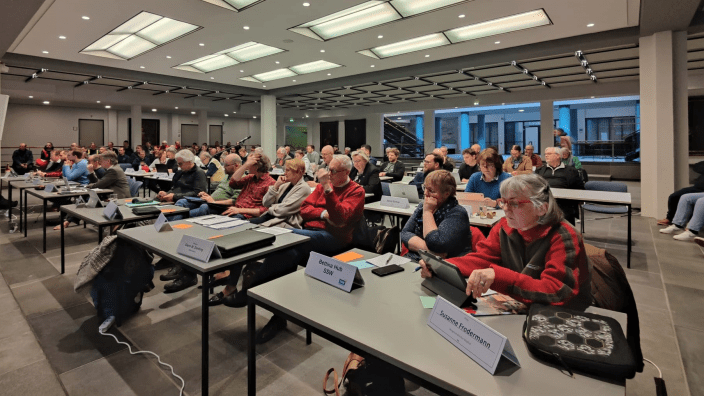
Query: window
610, 129
404, 132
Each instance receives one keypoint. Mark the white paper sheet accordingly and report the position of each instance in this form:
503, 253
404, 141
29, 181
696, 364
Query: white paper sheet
383, 260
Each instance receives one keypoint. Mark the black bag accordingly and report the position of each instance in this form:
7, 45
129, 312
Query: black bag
576, 340
146, 210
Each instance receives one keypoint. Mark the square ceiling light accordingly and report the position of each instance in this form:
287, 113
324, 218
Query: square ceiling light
494, 27
291, 71
233, 5
366, 15
471, 32
138, 35
229, 57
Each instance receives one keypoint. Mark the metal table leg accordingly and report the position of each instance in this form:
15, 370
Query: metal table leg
9, 197
63, 252
204, 338
44, 225
25, 212
251, 350
628, 259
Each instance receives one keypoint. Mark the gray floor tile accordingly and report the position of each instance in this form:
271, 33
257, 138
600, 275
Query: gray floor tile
692, 347
7, 303
271, 380
34, 379
163, 337
655, 321
649, 297
119, 374
19, 350
70, 337
31, 268
662, 350
687, 273
644, 278
12, 323
685, 305
48, 295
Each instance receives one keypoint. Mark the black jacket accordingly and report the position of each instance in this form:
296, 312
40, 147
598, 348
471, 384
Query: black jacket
54, 166
369, 179
22, 157
124, 159
398, 172
563, 177
467, 171
188, 183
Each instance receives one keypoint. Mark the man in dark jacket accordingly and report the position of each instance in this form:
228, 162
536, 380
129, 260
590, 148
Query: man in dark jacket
431, 162
560, 175
22, 160
124, 158
189, 181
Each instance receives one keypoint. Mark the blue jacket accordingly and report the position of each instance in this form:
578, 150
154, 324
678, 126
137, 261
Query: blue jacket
489, 189
78, 173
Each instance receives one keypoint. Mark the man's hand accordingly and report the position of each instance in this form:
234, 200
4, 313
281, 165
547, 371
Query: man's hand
312, 184
90, 168
252, 160
281, 180
430, 204
205, 197
382, 174
425, 270
168, 198
324, 177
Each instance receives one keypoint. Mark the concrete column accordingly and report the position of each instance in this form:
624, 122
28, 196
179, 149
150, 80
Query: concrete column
202, 128
280, 131
341, 135
465, 139
547, 122
136, 113
664, 126
428, 131
111, 128
375, 134
268, 125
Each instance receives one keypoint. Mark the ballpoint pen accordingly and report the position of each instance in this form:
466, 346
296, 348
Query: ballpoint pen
417, 269
388, 260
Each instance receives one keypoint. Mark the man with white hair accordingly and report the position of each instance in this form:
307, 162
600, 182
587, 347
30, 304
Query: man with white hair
188, 181
281, 157
560, 175
326, 153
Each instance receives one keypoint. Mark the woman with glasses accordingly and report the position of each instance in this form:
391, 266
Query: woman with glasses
531, 255
439, 224
490, 178
366, 175
469, 166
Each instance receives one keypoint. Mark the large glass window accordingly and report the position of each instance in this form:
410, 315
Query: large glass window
404, 132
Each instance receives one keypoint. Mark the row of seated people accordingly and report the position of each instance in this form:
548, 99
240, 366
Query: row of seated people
685, 212
329, 214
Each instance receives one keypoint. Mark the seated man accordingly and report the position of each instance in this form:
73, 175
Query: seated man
674, 198
531, 255
22, 160
534, 158
124, 159
432, 162
447, 163
330, 215
559, 175
56, 163
393, 167
76, 167
94, 164
368, 149
690, 214
253, 186
439, 224
326, 155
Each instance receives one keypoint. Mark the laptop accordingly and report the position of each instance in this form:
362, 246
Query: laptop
463, 197
407, 179
405, 191
385, 190
162, 168
243, 241
457, 177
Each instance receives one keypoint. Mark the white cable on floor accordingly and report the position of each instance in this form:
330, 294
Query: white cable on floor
656, 366
183, 383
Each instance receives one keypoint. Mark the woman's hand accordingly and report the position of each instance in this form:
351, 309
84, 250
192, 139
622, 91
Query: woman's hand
281, 180
231, 211
430, 204
480, 281
490, 202
425, 270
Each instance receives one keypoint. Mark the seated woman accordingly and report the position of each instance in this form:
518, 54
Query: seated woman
570, 160
532, 254
366, 175
490, 178
439, 224
690, 214
469, 166
518, 164
284, 201
393, 167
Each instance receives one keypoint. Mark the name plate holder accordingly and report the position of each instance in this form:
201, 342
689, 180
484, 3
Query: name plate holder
162, 224
49, 188
93, 201
333, 272
474, 338
395, 202
199, 249
112, 211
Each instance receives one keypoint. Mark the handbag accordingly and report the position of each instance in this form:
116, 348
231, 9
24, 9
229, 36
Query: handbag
369, 376
576, 340
146, 210
353, 362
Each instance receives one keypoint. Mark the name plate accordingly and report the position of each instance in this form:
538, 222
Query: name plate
162, 224
49, 188
199, 249
94, 200
394, 202
36, 182
333, 272
112, 211
475, 339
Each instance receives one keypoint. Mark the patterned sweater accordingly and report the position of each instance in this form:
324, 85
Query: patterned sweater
452, 236
345, 206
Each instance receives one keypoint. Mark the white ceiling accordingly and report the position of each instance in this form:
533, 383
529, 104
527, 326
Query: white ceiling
270, 19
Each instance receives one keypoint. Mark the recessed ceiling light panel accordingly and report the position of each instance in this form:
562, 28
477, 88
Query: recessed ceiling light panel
414, 7
304, 68
229, 57
138, 35
234, 5
274, 75
412, 45
313, 67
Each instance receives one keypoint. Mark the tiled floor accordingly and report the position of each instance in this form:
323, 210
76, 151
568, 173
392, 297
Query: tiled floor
49, 343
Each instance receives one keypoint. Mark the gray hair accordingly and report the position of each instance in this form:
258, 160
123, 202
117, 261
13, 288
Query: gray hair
109, 155
233, 158
344, 160
537, 189
205, 154
281, 150
171, 150
360, 153
558, 150
186, 155
259, 150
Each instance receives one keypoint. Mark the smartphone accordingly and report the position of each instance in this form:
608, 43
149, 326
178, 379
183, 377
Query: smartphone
388, 270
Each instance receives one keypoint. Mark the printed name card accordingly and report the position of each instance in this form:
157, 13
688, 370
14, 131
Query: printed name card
162, 224
49, 188
333, 272
94, 200
475, 339
112, 211
36, 181
197, 248
394, 202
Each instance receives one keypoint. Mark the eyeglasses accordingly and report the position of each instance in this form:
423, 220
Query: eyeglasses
487, 165
336, 171
511, 203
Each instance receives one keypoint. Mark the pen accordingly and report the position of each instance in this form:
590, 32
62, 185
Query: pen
417, 269
388, 260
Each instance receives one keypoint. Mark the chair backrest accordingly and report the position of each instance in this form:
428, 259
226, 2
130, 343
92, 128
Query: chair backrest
606, 186
134, 186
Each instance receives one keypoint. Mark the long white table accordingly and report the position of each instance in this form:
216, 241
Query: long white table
408, 212
599, 197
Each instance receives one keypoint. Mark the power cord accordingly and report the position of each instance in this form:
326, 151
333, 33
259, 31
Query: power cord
660, 388
103, 331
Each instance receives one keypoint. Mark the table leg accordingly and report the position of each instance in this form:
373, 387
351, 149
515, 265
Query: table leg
628, 259
204, 338
44, 226
9, 197
63, 257
398, 248
100, 234
309, 337
25, 212
251, 350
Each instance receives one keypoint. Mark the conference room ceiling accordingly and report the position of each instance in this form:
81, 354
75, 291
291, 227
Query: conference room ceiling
269, 22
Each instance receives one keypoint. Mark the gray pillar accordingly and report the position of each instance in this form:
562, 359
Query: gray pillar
202, 128
664, 126
547, 123
429, 131
136, 126
268, 125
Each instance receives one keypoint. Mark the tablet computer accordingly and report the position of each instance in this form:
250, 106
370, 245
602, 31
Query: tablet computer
444, 270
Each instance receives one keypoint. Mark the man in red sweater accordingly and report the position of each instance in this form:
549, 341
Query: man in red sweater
330, 215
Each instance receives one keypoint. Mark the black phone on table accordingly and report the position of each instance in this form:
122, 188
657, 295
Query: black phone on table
387, 270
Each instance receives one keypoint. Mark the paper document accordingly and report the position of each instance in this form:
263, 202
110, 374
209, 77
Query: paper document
427, 301
210, 220
361, 264
348, 256
383, 260
273, 230
227, 224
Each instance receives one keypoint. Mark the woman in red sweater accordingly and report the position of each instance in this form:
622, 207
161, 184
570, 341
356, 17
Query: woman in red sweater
532, 254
